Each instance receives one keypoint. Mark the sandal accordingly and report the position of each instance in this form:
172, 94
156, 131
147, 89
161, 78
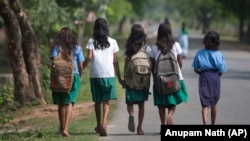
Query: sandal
131, 124
97, 129
103, 131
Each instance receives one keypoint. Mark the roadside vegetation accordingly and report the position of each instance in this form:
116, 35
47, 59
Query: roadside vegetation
28, 114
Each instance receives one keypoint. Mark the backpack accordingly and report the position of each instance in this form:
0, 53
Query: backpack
61, 72
138, 71
166, 74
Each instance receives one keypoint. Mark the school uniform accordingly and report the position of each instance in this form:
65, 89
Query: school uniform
209, 63
174, 99
136, 96
102, 73
69, 98
183, 40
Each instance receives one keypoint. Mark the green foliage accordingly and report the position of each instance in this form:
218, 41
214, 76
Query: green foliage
7, 103
239, 8
139, 7
46, 77
116, 9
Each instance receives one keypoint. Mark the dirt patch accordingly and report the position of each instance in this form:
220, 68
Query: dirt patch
23, 117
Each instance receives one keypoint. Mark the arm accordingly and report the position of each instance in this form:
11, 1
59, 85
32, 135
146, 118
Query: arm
117, 69
220, 74
125, 67
125, 64
88, 58
153, 65
179, 60
197, 71
80, 68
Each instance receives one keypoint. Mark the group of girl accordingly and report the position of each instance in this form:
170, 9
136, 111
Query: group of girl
102, 54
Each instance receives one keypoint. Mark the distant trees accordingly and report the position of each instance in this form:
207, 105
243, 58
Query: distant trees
31, 27
240, 9
208, 11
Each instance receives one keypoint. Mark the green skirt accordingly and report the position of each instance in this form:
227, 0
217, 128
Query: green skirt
67, 98
171, 99
136, 96
103, 89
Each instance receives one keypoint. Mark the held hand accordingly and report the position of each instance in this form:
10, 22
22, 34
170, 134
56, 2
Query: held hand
122, 82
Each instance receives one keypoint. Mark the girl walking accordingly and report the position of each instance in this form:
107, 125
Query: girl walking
102, 52
165, 41
135, 43
209, 63
65, 101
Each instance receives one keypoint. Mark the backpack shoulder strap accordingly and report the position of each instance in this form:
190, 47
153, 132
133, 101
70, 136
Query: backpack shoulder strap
141, 50
156, 64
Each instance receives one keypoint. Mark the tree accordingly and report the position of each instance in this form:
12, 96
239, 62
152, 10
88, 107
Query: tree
241, 9
203, 11
23, 53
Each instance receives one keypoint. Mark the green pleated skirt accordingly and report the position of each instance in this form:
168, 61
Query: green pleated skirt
67, 98
171, 99
136, 96
103, 89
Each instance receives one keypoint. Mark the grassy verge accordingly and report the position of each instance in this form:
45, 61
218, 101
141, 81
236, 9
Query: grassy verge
46, 128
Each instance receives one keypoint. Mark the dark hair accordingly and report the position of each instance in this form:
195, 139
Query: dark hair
165, 40
66, 40
212, 40
100, 34
136, 40
166, 21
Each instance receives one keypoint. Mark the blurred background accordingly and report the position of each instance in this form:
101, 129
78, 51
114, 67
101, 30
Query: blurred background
228, 17
28, 28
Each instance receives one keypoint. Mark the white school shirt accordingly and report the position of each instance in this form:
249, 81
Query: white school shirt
175, 50
102, 61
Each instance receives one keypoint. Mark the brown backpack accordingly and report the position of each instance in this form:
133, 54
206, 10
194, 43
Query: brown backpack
61, 75
166, 74
138, 71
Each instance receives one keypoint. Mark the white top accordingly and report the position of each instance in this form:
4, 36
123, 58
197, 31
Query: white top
102, 60
175, 50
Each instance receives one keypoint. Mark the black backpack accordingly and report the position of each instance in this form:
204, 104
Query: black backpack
166, 74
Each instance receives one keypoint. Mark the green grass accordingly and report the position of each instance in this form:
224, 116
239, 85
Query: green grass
81, 127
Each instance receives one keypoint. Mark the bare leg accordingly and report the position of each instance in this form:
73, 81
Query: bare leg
103, 131
68, 114
106, 107
204, 114
162, 115
131, 124
61, 113
213, 114
171, 111
140, 118
98, 114
130, 109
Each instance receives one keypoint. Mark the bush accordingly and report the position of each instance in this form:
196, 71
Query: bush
7, 103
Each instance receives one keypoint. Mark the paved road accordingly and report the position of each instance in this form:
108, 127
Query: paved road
233, 107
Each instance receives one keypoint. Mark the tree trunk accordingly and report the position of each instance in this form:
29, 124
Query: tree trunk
241, 31
23, 53
121, 24
31, 52
248, 33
